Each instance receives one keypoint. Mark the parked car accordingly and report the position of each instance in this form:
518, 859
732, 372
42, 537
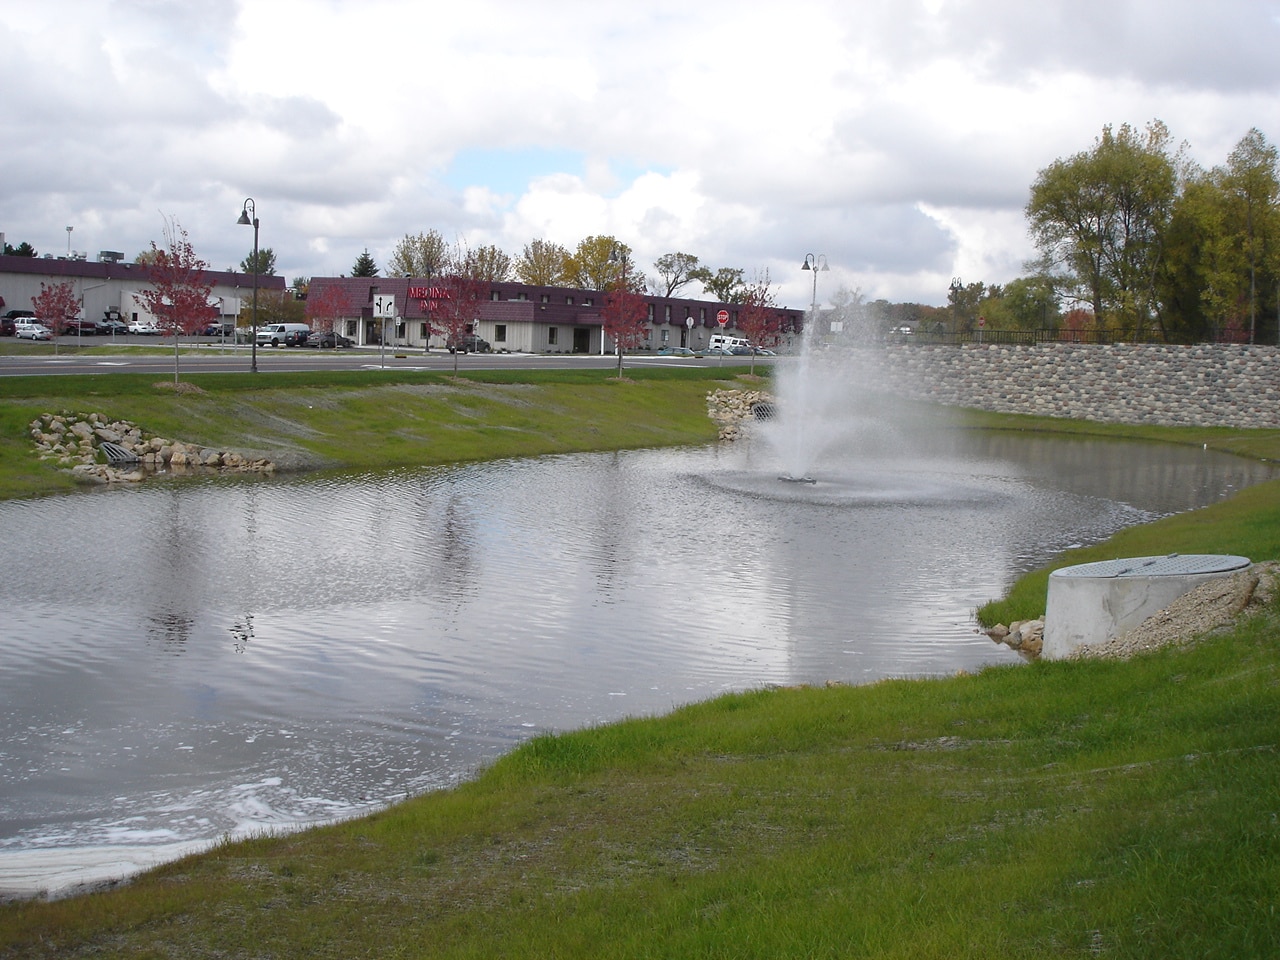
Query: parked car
277, 334
219, 330
147, 327
471, 343
31, 330
328, 341
107, 327
9, 322
82, 326
676, 352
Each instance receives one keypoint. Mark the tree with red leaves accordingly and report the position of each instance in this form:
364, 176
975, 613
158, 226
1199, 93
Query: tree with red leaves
179, 294
56, 305
325, 306
454, 314
626, 317
758, 319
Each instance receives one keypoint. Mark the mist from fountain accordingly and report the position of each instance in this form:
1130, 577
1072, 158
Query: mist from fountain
825, 405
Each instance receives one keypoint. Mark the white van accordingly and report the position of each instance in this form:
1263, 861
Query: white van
726, 344
283, 334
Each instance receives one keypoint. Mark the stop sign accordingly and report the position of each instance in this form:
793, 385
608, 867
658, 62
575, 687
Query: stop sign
722, 317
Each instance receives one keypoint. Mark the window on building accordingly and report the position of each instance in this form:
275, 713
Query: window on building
553, 336
651, 313
373, 292
666, 335
494, 295
702, 314
424, 331
668, 313
500, 333
351, 328
587, 301
546, 298
569, 301
522, 295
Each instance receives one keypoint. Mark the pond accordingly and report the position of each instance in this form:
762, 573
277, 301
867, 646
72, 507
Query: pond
184, 661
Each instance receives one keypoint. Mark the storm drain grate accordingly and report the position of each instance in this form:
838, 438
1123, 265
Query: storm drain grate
116, 453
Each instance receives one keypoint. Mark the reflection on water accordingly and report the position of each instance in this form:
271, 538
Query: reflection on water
182, 661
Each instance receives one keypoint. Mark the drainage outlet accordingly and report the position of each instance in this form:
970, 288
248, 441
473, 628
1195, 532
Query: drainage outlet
1093, 602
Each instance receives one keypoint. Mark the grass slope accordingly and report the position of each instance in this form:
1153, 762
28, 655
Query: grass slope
369, 420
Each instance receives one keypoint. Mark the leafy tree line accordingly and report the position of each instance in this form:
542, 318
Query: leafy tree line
597, 263
1149, 243
1135, 241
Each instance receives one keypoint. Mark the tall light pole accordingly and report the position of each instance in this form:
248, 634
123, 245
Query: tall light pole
617, 255
815, 264
249, 217
69, 229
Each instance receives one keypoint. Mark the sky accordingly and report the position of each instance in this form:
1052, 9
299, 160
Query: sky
898, 139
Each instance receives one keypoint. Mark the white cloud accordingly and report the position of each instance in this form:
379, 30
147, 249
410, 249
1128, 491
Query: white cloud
898, 137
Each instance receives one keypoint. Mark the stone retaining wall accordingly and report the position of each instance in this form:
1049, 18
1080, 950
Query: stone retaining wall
1230, 385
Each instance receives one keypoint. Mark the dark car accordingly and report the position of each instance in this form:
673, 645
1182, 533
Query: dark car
295, 338
328, 341
471, 343
9, 322
219, 330
83, 327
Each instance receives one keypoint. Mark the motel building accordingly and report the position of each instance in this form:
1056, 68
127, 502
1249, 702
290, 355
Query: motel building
110, 287
523, 318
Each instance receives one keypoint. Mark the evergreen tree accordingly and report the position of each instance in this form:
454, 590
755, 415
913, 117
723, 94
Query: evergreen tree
364, 265
266, 263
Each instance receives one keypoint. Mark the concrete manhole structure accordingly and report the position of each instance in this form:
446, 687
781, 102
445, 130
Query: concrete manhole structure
1092, 602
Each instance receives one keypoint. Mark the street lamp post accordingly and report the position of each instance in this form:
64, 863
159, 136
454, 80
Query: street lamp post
617, 255
249, 217
815, 264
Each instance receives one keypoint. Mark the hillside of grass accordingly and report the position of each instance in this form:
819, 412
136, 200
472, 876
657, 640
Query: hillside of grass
369, 419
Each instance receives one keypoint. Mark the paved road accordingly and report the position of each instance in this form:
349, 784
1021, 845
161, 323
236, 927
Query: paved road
212, 358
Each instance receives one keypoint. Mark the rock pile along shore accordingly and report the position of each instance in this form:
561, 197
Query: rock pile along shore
729, 408
75, 441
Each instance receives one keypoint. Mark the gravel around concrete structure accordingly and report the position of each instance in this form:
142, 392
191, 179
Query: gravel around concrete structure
1209, 607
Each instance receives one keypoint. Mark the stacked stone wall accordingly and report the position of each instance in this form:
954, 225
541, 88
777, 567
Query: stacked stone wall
1230, 385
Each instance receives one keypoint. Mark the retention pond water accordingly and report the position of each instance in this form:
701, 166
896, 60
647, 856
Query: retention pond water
185, 661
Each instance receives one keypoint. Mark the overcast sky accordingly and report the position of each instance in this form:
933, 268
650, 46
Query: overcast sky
898, 138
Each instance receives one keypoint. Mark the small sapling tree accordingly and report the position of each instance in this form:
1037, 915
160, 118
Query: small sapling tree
625, 319
758, 319
325, 307
179, 293
55, 305
457, 310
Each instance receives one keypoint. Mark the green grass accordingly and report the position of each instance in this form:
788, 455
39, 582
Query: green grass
369, 419
1069, 809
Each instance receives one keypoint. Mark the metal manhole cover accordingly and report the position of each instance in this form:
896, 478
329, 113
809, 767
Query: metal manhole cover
1173, 565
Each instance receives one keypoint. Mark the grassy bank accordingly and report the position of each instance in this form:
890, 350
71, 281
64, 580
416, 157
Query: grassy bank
369, 419
1051, 810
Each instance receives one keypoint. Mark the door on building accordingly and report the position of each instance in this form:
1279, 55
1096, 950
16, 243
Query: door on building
581, 339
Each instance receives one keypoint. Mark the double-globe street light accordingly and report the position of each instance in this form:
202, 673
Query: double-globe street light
815, 264
249, 217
